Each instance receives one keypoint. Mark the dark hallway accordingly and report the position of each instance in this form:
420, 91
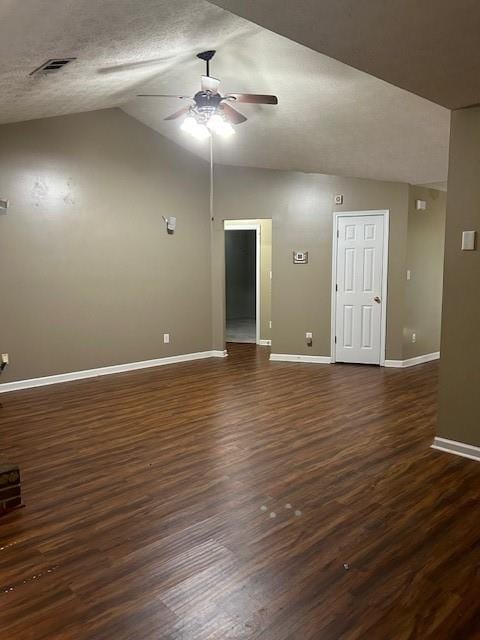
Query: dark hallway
240, 285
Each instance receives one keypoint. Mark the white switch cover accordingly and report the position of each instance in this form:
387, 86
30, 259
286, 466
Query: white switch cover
420, 205
270, 324
414, 337
468, 240
5, 358
409, 274
309, 334
166, 338
339, 198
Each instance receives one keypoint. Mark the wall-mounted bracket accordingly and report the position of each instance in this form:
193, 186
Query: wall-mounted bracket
171, 223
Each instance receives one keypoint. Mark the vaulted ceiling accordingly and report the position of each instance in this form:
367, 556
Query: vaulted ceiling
331, 118
429, 47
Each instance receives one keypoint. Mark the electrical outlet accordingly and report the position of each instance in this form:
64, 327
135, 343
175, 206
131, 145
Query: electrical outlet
5, 358
414, 337
166, 338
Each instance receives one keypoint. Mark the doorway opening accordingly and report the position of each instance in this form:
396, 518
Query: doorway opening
359, 286
248, 281
241, 283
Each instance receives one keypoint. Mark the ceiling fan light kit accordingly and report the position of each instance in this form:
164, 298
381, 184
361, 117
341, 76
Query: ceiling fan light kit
218, 124
196, 129
210, 112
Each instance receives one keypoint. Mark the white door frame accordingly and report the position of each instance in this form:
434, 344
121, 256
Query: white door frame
383, 325
257, 227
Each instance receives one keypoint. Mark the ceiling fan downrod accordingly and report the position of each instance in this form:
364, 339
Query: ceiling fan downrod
207, 56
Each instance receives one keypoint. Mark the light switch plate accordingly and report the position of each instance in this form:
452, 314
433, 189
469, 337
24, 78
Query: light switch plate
469, 240
339, 198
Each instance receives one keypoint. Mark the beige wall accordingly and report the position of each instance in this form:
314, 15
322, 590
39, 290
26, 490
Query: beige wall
301, 206
265, 269
459, 410
423, 292
89, 276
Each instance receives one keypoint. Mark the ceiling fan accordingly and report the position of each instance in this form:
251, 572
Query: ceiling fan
208, 110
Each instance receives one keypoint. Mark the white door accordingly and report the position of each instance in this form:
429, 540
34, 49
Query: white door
358, 316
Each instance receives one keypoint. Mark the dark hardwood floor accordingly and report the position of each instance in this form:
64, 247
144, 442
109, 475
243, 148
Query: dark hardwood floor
144, 494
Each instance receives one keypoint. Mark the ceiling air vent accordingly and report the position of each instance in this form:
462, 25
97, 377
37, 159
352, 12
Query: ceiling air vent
50, 66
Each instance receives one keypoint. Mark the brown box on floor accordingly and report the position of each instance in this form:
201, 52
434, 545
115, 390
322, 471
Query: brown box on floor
10, 489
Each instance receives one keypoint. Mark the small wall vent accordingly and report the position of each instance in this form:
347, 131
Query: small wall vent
52, 65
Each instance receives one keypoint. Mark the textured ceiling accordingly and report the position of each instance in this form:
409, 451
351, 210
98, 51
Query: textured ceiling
429, 47
331, 118
103, 35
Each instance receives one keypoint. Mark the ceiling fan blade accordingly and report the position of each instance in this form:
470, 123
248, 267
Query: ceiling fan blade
232, 115
254, 98
210, 84
162, 95
178, 114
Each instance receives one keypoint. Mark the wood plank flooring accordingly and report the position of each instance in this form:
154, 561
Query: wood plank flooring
144, 495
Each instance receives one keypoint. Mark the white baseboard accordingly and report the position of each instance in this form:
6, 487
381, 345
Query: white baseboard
104, 371
399, 364
289, 357
217, 354
457, 448
265, 343
412, 362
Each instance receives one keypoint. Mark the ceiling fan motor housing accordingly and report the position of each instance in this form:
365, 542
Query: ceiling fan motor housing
207, 102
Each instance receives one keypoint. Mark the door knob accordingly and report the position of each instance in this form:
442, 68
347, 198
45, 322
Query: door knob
377, 299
